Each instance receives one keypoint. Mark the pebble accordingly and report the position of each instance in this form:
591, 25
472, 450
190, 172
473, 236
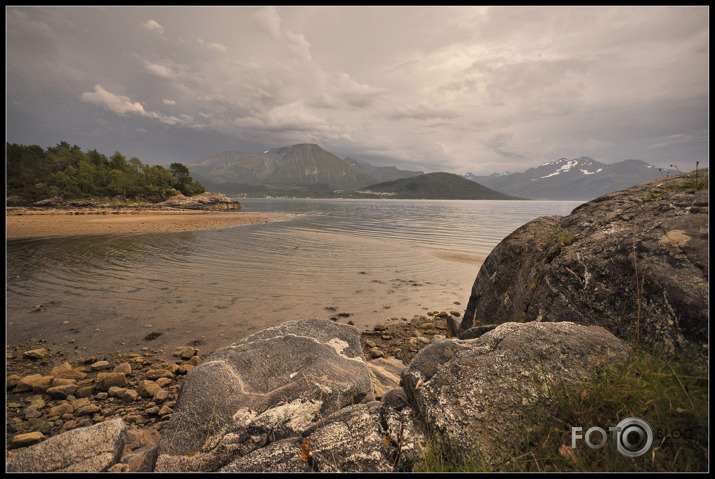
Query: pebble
61, 392
185, 352
31, 413
64, 408
159, 373
165, 410
100, 365
162, 382
376, 353
11, 381
84, 391
124, 367
23, 440
107, 380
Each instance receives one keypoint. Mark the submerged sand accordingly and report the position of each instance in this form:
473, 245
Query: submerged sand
22, 223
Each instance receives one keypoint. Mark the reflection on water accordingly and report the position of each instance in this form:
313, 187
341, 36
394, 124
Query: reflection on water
372, 259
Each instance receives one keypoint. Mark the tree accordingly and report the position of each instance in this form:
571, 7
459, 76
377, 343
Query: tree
119, 182
118, 162
65, 170
181, 176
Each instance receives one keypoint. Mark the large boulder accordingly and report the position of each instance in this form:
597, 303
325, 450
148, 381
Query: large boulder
634, 261
88, 449
480, 396
270, 386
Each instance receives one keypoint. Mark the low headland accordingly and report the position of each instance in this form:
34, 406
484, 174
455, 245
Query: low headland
595, 320
57, 217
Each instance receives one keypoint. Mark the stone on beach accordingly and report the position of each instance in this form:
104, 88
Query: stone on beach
91, 449
315, 361
35, 353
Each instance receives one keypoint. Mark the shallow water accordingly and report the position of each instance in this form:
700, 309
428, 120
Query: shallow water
373, 260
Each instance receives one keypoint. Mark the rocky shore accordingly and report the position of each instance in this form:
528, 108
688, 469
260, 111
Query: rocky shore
49, 394
58, 217
207, 201
557, 302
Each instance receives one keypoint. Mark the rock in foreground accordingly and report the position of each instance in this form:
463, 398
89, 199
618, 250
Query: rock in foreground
89, 449
272, 385
480, 396
634, 262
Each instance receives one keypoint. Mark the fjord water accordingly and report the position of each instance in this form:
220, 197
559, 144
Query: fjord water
367, 261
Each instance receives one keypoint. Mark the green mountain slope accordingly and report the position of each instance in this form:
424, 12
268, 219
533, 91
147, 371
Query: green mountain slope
437, 186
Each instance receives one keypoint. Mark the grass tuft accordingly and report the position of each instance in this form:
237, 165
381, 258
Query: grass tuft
671, 395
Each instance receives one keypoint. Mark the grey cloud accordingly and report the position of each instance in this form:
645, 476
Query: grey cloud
422, 113
453, 88
153, 26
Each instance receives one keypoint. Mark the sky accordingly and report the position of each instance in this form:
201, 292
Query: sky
457, 89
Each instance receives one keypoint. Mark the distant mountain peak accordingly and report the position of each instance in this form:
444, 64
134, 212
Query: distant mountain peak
580, 178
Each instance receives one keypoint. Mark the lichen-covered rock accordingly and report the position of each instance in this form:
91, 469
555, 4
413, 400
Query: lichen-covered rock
276, 382
479, 399
371, 437
634, 261
89, 449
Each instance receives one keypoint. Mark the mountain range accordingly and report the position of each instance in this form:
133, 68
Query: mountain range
575, 179
308, 170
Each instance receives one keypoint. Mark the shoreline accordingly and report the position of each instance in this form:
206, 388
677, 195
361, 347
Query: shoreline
34, 409
27, 223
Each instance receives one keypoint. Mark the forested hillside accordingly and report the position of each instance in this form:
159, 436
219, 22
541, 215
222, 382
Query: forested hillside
34, 173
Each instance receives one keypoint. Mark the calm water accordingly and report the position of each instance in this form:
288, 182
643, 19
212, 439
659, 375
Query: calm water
372, 259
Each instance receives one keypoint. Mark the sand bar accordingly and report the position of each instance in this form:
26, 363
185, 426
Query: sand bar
22, 223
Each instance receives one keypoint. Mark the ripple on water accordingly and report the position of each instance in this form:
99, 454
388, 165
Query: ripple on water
367, 259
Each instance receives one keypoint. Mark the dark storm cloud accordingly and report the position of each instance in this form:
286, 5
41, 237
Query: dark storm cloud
434, 88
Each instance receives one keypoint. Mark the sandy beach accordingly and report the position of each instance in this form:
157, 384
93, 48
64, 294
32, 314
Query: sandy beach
25, 223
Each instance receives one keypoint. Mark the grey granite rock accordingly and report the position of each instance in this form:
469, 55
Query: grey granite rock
479, 400
634, 261
271, 385
89, 449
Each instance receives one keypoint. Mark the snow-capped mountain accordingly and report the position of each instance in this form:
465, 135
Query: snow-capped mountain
571, 179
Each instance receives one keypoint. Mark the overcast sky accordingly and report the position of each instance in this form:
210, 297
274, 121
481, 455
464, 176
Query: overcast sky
454, 89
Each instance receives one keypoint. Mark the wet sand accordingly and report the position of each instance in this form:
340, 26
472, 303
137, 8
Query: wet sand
22, 223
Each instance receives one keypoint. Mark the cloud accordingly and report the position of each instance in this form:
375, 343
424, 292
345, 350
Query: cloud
461, 88
121, 105
213, 46
159, 70
268, 20
357, 94
292, 116
422, 112
299, 45
153, 26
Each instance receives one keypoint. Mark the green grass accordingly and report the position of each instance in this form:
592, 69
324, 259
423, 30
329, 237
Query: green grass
696, 180
672, 396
